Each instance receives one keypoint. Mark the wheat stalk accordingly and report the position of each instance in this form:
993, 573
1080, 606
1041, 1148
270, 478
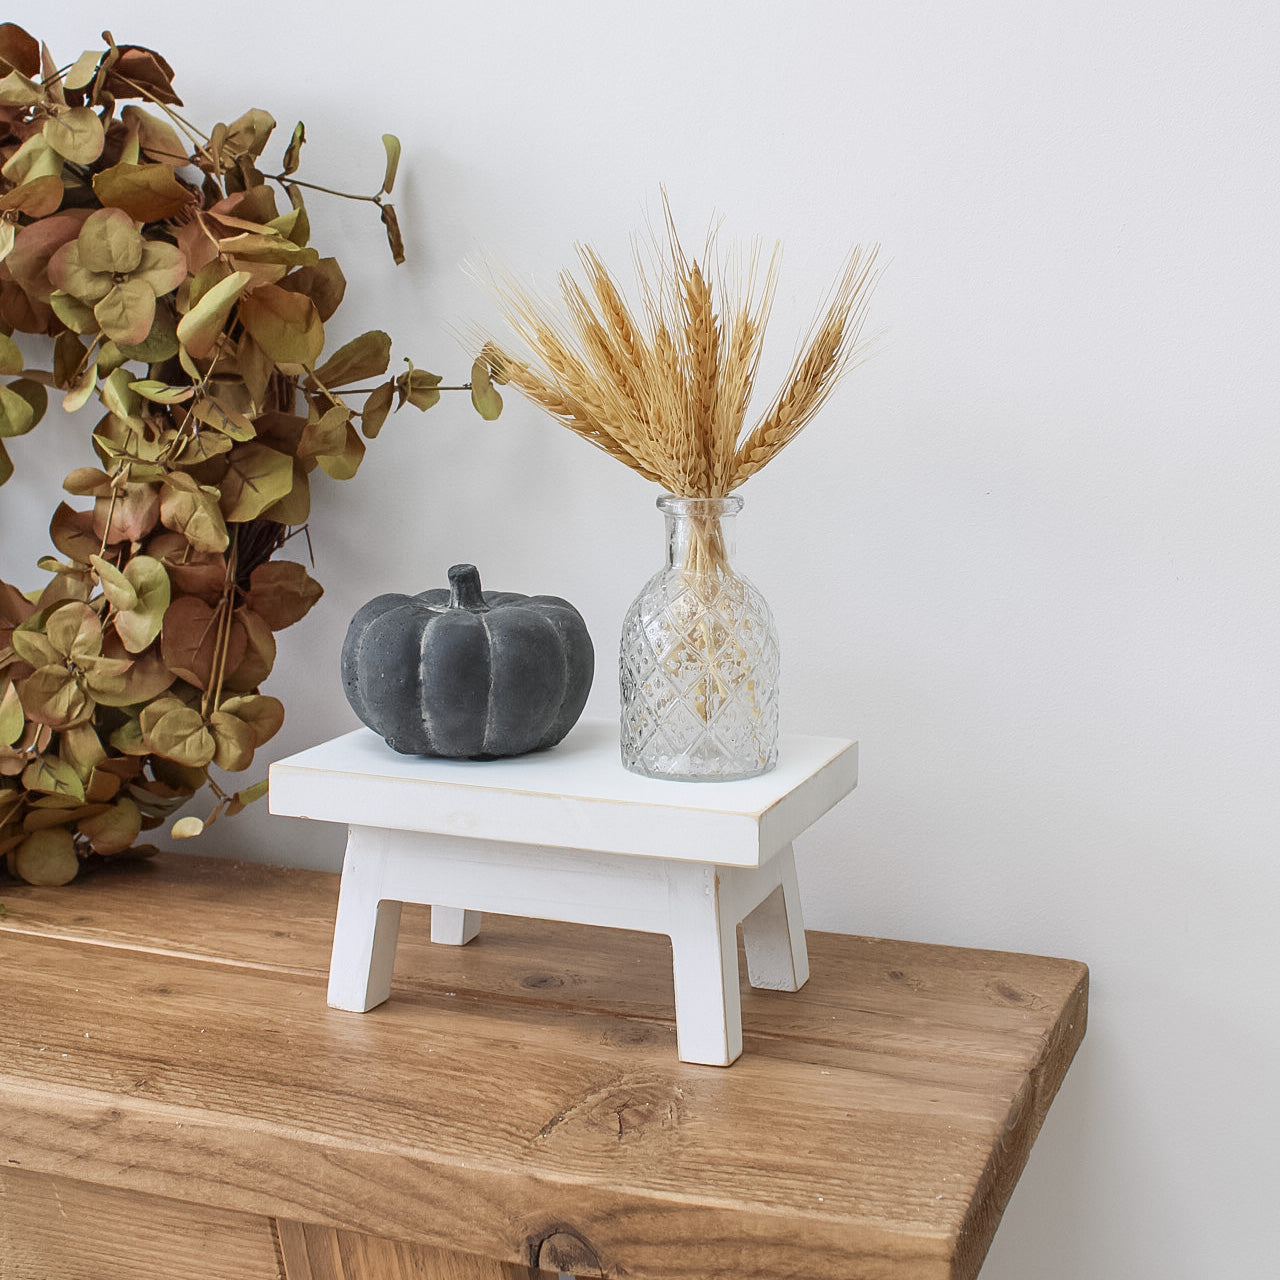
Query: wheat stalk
665, 387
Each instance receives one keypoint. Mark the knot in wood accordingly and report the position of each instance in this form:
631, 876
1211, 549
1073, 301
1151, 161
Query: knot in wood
563, 1249
630, 1108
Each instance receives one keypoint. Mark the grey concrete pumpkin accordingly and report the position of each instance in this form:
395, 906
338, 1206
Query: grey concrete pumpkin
466, 673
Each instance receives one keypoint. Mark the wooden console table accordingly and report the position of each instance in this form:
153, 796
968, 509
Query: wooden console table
177, 1099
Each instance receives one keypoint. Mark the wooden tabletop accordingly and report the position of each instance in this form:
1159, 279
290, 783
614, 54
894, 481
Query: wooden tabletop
164, 1035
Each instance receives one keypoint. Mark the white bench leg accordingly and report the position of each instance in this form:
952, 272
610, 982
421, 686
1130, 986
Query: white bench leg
364, 936
704, 954
453, 926
777, 956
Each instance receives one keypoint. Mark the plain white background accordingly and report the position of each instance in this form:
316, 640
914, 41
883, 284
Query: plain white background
1029, 555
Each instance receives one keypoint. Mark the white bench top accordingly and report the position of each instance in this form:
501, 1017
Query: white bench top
575, 796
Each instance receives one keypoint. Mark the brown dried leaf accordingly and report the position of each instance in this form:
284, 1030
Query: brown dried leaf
281, 592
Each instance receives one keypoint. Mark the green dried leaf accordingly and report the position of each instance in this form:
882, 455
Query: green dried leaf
175, 731
138, 626
74, 631
115, 830
364, 357
17, 91
32, 645
82, 70
76, 135
161, 392
293, 153
82, 749
127, 312
192, 511
262, 713
392, 145
157, 138
51, 776
34, 159
201, 327
146, 192
234, 741
484, 395
16, 415
75, 314
418, 387
285, 325
47, 858
52, 696
256, 477
326, 434
343, 463
247, 795
10, 356
115, 586
81, 390
12, 718
248, 135
108, 243
376, 408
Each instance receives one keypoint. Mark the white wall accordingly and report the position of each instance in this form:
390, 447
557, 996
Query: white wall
1029, 555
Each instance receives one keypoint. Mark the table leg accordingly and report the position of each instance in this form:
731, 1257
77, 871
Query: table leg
453, 926
704, 955
777, 957
365, 933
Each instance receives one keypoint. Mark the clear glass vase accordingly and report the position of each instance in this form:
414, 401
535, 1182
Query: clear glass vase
698, 665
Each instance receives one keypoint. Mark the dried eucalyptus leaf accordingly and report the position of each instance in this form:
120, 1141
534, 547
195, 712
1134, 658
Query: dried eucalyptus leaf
139, 624
12, 717
47, 858
16, 90
285, 325
37, 197
188, 509
19, 49
175, 731
234, 741
127, 312
146, 192
201, 327
258, 656
376, 408
161, 392
186, 828
326, 434
256, 477
76, 135
157, 138
81, 390
282, 592
294, 508
293, 153
51, 776
82, 70
484, 395
394, 238
364, 357
82, 749
6, 464
10, 355
115, 586
114, 830
263, 713
392, 145
16, 416
344, 462
322, 282
52, 695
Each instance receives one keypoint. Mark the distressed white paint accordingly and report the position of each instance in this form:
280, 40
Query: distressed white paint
570, 835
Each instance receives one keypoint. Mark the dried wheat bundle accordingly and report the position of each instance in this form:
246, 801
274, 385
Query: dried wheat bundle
665, 386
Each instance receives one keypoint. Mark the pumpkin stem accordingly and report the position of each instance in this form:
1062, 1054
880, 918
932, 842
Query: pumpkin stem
464, 588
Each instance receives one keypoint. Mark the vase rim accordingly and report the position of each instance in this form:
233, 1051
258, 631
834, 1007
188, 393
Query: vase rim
728, 505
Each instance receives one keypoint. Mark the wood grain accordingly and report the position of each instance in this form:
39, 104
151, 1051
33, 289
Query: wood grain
60, 1229
519, 1098
312, 1252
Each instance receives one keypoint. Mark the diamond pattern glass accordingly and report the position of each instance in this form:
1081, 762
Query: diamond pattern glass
698, 664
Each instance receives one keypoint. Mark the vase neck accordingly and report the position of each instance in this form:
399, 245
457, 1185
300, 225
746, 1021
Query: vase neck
699, 532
